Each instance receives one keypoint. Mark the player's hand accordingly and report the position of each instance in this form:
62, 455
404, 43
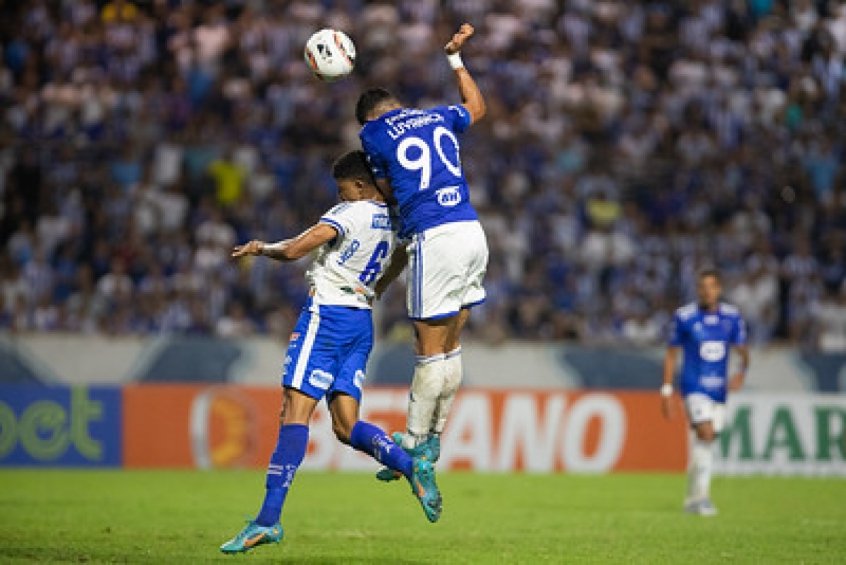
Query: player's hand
455, 44
667, 407
736, 382
254, 247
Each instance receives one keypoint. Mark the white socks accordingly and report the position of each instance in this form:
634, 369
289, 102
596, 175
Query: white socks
433, 388
453, 372
699, 471
426, 386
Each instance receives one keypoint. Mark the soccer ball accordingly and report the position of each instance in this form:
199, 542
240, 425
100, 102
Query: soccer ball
330, 54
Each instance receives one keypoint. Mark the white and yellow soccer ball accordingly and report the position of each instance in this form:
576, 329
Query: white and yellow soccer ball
330, 54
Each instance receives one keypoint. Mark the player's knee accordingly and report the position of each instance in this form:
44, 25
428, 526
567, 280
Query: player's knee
705, 433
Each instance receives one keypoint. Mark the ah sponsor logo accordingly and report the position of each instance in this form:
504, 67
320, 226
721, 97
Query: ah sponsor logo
448, 196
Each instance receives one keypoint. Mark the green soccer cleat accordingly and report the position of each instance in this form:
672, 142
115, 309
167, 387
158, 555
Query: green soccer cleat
424, 487
251, 536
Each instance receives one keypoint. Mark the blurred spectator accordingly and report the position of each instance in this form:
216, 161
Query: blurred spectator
830, 317
627, 145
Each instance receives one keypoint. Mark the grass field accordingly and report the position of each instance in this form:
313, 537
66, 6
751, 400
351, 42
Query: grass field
182, 517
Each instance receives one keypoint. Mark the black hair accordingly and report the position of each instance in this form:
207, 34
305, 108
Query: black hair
352, 165
710, 272
368, 100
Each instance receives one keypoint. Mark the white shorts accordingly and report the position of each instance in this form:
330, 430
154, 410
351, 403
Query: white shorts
702, 408
446, 267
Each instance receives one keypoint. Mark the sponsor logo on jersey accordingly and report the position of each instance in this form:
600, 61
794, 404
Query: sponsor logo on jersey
711, 381
320, 379
712, 351
358, 379
381, 222
711, 320
448, 196
349, 251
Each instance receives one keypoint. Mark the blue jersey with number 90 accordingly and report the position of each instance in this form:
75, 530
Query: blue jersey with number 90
418, 151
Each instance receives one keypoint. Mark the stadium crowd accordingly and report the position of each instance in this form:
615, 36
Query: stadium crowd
627, 145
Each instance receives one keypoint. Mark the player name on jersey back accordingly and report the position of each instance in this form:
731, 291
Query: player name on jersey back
418, 150
409, 119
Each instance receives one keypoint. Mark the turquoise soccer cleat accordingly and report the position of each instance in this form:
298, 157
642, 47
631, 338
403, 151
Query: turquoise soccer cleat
387, 474
433, 445
251, 536
429, 450
701, 507
424, 487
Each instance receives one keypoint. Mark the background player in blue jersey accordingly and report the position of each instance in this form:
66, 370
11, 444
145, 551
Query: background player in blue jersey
414, 155
705, 332
329, 347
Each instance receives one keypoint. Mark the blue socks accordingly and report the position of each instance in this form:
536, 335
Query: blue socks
374, 442
290, 451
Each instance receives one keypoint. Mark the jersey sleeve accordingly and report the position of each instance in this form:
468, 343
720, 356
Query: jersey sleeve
674, 337
341, 218
374, 157
739, 334
457, 117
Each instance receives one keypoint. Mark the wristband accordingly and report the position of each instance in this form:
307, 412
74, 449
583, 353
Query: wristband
666, 389
454, 60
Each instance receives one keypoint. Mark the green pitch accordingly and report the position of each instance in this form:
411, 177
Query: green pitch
182, 517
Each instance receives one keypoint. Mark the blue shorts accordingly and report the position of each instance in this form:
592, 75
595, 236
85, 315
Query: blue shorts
328, 351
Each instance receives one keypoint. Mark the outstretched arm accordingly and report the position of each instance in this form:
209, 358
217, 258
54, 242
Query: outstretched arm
471, 96
289, 249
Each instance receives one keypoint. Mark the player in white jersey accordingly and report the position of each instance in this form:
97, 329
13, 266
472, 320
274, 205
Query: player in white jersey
415, 157
328, 350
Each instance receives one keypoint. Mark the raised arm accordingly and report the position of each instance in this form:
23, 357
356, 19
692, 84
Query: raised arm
289, 249
471, 96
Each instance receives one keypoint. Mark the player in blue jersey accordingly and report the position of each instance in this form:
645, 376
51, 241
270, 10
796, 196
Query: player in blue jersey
330, 344
705, 332
414, 155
